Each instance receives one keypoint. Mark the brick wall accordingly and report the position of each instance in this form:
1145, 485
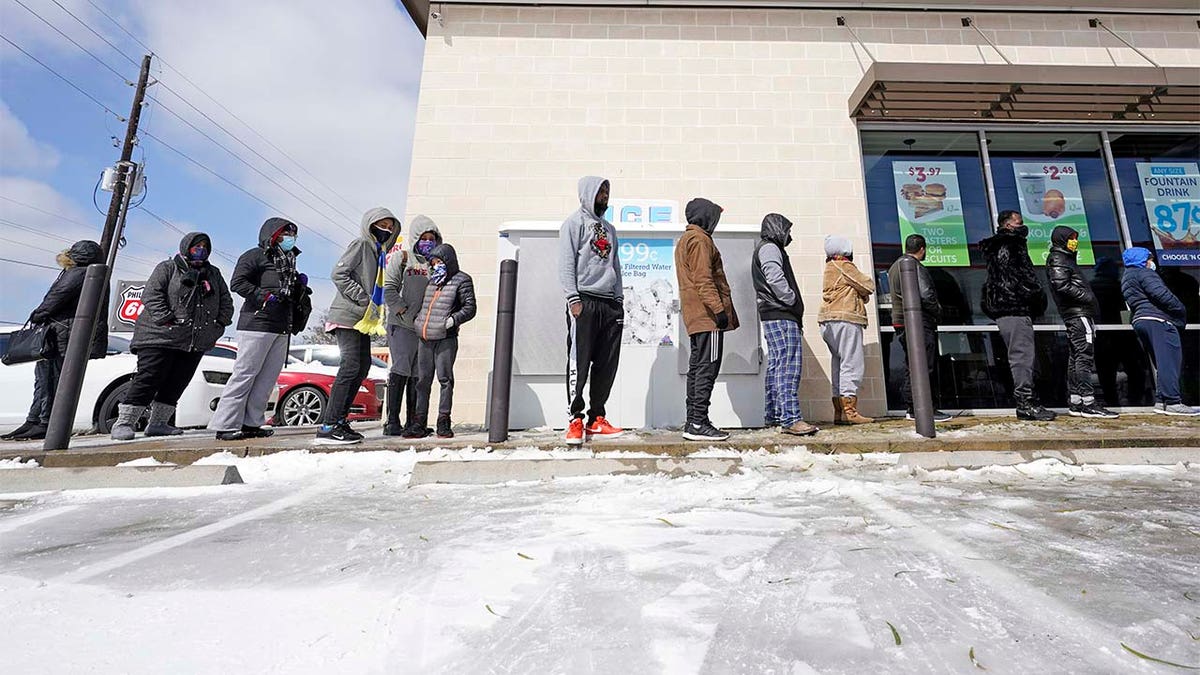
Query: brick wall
745, 107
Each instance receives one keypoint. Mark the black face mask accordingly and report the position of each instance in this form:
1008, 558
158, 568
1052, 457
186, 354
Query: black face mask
381, 235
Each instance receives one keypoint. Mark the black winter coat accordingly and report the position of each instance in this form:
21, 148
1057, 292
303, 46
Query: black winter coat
185, 308
1012, 287
62, 300
1072, 293
931, 308
258, 275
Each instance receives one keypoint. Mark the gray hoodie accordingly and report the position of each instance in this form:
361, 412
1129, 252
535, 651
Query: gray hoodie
587, 249
354, 274
407, 274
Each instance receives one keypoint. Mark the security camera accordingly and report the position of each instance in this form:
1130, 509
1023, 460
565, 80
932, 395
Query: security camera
436, 16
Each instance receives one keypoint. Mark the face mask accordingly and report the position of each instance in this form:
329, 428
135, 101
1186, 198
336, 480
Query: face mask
425, 247
1150, 265
381, 235
197, 255
437, 274
1072, 245
287, 243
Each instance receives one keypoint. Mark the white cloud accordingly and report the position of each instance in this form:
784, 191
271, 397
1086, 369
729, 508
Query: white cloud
19, 151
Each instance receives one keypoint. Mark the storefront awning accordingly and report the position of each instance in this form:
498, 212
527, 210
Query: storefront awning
999, 92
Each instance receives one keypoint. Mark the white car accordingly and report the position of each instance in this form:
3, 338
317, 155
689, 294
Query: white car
105, 385
325, 359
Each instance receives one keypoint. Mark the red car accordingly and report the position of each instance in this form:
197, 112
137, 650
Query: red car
303, 393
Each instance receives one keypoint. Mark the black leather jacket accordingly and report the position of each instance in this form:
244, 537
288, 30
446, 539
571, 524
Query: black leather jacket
1072, 293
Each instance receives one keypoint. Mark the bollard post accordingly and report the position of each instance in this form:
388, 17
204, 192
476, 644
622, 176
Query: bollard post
70, 382
506, 308
918, 366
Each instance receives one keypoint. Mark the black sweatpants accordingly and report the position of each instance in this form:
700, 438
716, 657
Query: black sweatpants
355, 352
162, 375
704, 364
1081, 363
436, 357
906, 396
593, 350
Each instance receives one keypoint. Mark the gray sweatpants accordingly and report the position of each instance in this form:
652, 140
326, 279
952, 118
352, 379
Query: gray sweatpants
260, 357
436, 357
845, 342
1017, 333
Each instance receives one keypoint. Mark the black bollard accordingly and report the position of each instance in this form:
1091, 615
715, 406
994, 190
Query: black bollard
506, 307
70, 382
918, 367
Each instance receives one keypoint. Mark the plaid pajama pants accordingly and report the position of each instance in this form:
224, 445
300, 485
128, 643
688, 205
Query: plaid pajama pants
784, 354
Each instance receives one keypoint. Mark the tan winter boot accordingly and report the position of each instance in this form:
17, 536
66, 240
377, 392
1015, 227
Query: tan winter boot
839, 412
850, 404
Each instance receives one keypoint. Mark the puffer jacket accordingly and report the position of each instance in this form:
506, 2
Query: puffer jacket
264, 271
407, 275
931, 308
354, 274
845, 292
1072, 293
186, 308
1012, 287
703, 288
455, 298
777, 295
1147, 294
60, 303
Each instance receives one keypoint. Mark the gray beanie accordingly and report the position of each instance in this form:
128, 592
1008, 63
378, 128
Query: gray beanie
838, 245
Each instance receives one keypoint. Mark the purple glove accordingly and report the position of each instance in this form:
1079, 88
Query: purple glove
302, 279
270, 299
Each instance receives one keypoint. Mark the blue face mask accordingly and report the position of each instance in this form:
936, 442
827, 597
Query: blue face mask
425, 247
287, 243
437, 274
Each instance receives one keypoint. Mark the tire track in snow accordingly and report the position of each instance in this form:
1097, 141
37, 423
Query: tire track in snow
17, 522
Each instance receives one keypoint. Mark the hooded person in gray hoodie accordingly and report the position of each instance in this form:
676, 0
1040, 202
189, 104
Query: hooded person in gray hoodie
590, 272
404, 283
358, 279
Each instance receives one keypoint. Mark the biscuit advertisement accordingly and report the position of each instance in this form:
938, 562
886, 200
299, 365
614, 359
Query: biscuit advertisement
1050, 196
1171, 192
928, 202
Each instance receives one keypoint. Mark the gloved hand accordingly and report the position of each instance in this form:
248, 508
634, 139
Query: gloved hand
270, 299
302, 279
449, 323
37, 317
722, 321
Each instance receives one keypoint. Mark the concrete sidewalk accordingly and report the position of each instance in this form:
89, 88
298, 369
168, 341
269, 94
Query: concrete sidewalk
965, 433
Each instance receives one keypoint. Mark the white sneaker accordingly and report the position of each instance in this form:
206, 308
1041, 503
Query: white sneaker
1177, 409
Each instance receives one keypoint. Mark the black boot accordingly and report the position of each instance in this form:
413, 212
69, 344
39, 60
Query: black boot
12, 435
418, 429
34, 433
395, 392
410, 404
443, 427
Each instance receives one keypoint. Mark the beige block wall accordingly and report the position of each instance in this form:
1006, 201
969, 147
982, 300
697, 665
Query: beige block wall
745, 107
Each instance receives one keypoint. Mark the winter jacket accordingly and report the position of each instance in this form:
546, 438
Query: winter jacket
407, 275
186, 308
1012, 287
703, 289
845, 292
354, 274
1072, 293
777, 295
62, 300
455, 299
265, 271
588, 263
1147, 294
931, 309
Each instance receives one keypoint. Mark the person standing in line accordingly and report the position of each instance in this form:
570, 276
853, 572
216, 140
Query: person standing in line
843, 318
931, 314
276, 306
589, 270
449, 303
356, 313
186, 309
1013, 297
707, 307
1158, 318
1079, 308
58, 309
781, 310
404, 283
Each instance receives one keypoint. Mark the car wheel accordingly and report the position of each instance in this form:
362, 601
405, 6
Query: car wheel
107, 416
302, 406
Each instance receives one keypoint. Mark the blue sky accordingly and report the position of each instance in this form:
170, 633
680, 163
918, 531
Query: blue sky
332, 85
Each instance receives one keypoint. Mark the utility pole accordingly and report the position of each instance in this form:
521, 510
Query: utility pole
93, 296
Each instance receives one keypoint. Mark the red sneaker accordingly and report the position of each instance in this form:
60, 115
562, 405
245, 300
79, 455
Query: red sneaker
575, 432
601, 427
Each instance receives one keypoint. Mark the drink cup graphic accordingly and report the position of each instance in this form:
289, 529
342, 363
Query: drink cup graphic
1033, 188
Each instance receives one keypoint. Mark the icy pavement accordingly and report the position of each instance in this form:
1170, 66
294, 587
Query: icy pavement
331, 564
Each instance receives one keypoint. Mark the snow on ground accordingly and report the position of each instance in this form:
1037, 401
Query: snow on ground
330, 563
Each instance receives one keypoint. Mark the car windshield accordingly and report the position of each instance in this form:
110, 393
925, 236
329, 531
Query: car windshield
118, 344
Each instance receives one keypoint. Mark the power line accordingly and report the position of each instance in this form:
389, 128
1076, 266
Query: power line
85, 50
96, 33
70, 220
222, 106
64, 79
173, 226
30, 264
68, 240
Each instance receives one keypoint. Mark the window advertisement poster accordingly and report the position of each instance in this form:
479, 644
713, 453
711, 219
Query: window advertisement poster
929, 204
1171, 191
1050, 196
651, 293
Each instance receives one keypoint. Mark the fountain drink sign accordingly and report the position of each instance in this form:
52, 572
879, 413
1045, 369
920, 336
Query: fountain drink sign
1171, 191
